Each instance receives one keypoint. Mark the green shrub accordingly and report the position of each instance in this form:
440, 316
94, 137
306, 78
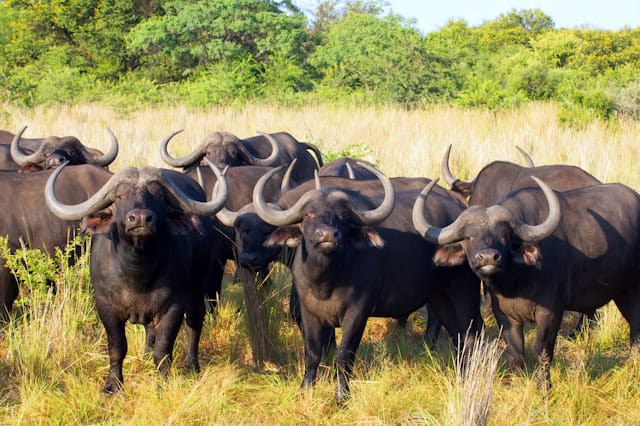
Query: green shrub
36, 271
360, 150
626, 100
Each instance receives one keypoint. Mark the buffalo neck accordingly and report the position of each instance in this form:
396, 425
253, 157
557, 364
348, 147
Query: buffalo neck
506, 283
328, 269
139, 264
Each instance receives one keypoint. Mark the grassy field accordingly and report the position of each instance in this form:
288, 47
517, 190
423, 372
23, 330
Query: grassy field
53, 356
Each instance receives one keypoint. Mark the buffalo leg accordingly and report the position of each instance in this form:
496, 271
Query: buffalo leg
547, 326
194, 318
166, 332
314, 335
213, 287
433, 327
150, 334
629, 306
460, 325
117, 347
585, 322
513, 335
353, 325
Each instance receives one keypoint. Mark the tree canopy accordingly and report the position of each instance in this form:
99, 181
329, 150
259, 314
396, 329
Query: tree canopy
206, 52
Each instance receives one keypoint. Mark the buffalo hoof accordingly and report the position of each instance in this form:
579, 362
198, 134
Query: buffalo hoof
112, 386
342, 396
308, 382
194, 365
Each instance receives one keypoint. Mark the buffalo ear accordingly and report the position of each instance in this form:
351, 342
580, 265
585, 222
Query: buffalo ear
461, 187
289, 236
450, 255
367, 236
527, 254
97, 223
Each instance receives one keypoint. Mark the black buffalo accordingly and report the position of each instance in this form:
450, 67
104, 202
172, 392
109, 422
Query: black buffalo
501, 177
26, 218
226, 149
28, 155
347, 167
583, 253
153, 251
353, 168
346, 270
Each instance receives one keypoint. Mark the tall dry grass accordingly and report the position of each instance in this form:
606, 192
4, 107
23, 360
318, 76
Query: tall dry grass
53, 357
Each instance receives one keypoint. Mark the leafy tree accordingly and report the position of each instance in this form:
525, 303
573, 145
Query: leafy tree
381, 55
198, 33
93, 29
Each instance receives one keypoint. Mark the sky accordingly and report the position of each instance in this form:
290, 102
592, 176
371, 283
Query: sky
599, 14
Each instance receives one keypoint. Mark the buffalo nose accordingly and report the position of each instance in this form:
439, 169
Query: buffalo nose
488, 256
140, 217
327, 234
54, 160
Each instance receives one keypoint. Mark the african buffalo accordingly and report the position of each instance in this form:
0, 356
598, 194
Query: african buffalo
346, 270
154, 249
26, 218
501, 177
353, 168
28, 155
347, 167
583, 253
226, 149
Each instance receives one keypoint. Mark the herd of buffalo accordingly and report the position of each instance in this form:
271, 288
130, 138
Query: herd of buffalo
541, 240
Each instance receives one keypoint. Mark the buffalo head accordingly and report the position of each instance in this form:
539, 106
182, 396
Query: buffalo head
53, 151
490, 239
140, 204
222, 149
325, 218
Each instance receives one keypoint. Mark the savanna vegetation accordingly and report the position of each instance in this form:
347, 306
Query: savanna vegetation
53, 356
355, 80
233, 52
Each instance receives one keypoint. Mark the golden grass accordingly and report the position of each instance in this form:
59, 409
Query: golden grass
52, 361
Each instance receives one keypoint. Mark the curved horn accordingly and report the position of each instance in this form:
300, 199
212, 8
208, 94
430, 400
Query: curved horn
270, 160
109, 156
350, 173
19, 156
97, 201
285, 185
187, 160
316, 179
435, 235
532, 233
444, 169
275, 216
370, 217
219, 195
527, 157
228, 217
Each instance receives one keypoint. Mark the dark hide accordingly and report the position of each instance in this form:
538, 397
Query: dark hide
150, 263
345, 272
26, 216
590, 259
